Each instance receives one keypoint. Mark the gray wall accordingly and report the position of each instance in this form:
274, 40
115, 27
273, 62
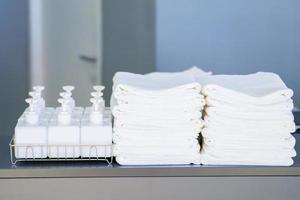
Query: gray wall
128, 38
230, 36
13, 61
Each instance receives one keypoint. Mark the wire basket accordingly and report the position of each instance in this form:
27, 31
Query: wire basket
60, 152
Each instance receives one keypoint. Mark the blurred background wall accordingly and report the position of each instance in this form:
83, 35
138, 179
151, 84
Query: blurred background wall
231, 37
14, 61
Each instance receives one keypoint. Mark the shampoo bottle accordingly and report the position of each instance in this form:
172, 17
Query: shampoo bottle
31, 134
64, 133
96, 129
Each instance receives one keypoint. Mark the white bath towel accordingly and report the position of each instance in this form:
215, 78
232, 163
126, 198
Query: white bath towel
258, 89
149, 88
157, 149
208, 159
233, 107
252, 153
239, 142
218, 121
155, 140
129, 159
220, 131
148, 130
249, 115
152, 86
193, 71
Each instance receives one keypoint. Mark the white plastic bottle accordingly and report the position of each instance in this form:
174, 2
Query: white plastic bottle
39, 104
31, 134
97, 94
64, 133
96, 132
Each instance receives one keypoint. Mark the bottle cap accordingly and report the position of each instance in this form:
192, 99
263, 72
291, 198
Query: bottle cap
68, 88
38, 88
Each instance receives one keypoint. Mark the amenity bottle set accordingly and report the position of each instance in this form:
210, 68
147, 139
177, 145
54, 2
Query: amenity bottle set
66, 131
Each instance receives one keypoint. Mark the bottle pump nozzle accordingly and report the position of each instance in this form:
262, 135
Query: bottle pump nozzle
68, 88
68, 94
38, 88
99, 88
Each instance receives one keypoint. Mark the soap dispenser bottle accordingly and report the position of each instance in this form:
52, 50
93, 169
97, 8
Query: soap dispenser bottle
33, 107
31, 134
77, 112
96, 130
97, 94
39, 105
64, 133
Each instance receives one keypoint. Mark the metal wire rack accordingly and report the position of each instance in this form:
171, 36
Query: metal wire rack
60, 152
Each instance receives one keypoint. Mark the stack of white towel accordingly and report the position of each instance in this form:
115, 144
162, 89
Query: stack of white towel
157, 118
248, 120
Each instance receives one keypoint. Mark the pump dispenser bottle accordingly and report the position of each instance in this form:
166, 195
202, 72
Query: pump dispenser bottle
64, 132
96, 128
31, 133
77, 112
39, 104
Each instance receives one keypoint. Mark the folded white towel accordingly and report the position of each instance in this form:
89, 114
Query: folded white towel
233, 107
155, 114
158, 125
149, 88
257, 116
258, 89
180, 107
153, 85
254, 132
208, 159
157, 149
193, 71
141, 137
155, 140
237, 142
218, 121
248, 150
129, 159
127, 134
252, 153
156, 121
